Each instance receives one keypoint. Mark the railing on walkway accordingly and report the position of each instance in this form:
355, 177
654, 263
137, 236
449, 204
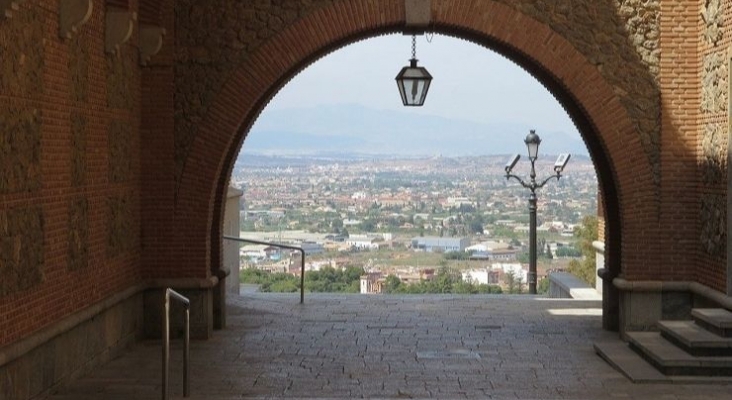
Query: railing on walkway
284, 246
170, 293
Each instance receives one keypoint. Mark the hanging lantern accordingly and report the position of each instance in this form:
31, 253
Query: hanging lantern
413, 81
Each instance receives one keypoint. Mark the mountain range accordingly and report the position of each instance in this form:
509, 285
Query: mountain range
351, 128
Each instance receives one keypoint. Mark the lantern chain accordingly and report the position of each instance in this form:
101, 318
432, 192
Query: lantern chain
414, 47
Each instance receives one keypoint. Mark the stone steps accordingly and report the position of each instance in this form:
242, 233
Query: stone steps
715, 320
694, 339
692, 350
673, 360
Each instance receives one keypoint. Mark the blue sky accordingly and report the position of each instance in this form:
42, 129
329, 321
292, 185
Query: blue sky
471, 83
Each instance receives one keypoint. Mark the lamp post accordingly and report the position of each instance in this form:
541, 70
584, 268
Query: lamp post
532, 144
413, 81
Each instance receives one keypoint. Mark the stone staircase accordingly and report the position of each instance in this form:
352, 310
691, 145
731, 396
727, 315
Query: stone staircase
697, 350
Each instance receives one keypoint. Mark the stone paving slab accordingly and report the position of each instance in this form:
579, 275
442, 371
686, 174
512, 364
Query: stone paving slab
382, 346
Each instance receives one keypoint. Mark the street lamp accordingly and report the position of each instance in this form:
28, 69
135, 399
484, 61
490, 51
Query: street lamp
532, 144
413, 81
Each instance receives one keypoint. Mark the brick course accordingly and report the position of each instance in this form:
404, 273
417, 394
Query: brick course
189, 111
73, 168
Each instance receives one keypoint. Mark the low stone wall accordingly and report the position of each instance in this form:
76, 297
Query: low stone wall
644, 303
97, 334
71, 349
563, 285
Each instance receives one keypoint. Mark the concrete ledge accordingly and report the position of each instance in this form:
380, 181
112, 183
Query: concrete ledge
681, 286
75, 346
644, 303
91, 337
567, 286
18, 349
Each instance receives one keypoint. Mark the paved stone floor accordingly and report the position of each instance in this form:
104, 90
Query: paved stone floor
380, 346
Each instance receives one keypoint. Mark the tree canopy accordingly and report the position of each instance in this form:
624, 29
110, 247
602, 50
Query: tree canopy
586, 233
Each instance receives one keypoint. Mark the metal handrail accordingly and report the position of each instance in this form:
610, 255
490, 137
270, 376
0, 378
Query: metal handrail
170, 293
284, 246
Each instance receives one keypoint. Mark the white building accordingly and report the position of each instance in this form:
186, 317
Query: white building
363, 243
508, 268
372, 283
476, 276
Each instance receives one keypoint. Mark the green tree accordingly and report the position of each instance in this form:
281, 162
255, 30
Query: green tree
586, 233
513, 282
392, 284
543, 286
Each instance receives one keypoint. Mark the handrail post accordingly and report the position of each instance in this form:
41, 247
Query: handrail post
302, 276
166, 344
166, 341
283, 246
186, 354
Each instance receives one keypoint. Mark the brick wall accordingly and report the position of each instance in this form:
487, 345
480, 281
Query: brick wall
112, 212
58, 91
680, 108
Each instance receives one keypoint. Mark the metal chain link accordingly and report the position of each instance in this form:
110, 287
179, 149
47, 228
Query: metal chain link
414, 46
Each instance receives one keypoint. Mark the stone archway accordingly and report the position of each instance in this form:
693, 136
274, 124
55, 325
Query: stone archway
605, 83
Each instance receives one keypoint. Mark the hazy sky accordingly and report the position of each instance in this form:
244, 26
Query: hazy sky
469, 82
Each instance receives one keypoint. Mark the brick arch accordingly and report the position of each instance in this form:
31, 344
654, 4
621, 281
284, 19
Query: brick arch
625, 176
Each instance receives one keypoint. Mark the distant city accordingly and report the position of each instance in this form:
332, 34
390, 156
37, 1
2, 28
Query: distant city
400, 221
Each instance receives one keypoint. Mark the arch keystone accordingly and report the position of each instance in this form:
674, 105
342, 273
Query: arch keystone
418, 15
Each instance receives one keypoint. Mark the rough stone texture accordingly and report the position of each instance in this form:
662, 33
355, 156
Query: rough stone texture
713, 15
642, 23
21, 249
78, 234
119, 225
120, 77
234, 29
714, 83
621, 38
79, 67
20, 150
78, 149
120, 150
22, 54
713, 218
714, 161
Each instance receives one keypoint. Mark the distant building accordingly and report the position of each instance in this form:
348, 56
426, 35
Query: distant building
363, 243
492, 251
372, 283
434, 244
483, 276
311, 248
509, 268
